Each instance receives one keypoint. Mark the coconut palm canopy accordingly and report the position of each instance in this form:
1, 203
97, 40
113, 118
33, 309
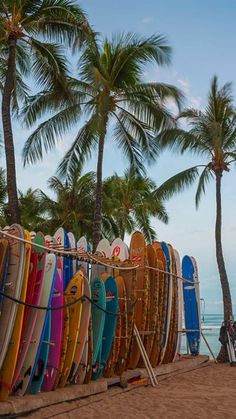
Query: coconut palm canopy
212, 136
131, 202
31, 38
110, 92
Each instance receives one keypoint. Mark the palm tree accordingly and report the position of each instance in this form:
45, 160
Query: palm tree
31, 210
129, 200
112, 95
73, 206
24, 25
212, 135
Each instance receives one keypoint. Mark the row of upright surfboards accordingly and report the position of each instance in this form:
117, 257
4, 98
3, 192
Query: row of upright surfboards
88, 330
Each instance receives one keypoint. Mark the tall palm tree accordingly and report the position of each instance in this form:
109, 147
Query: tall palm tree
129, 199
111, 94
212, 135
27, 30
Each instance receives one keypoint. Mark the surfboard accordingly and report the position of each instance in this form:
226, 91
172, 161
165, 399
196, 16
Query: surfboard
130, 279
98, 294
119, 249
103, 250
191, 311
32, 356
169, 299
65, 339
59, 244
109, 325
56, 335
158, 343
43, 357
74, 291
68, 266
13, 285
180, 301
83, 329
9, 364
82, 247
33, 295
72, 241
4, 259
138, 255
154, 299
173, 328
86, 374
196, 281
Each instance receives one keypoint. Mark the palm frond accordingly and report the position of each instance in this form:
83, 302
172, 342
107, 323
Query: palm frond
204, 178
177, 183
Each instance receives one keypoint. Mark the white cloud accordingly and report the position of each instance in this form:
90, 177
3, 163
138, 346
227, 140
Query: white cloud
193, 101
147, 19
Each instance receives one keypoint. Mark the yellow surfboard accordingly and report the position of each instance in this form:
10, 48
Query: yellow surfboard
9, 364
74, 291
65, 338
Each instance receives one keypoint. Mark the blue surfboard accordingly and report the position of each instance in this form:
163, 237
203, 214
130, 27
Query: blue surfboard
43, 357
98, 295
67, 264
191, 312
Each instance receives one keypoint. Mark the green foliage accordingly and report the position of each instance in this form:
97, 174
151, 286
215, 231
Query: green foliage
212, 136
130, 201
110, 83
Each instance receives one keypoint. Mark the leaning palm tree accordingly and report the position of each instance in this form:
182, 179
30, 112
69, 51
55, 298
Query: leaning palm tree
212, 135
27, 30
110, 93
129, 200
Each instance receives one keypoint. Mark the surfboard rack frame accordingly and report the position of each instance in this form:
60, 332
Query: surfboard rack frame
145, 358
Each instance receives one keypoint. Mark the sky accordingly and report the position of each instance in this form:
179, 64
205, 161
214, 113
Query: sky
202, 35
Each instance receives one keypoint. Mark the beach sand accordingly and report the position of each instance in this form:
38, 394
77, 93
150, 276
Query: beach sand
206, 393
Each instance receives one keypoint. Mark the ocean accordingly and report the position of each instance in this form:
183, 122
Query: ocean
212, 322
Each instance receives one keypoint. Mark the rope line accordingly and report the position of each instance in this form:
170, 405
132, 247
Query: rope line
98, 261
77, 300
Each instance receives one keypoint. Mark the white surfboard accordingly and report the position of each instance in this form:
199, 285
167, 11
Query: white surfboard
104, 250
14, 280
119, 249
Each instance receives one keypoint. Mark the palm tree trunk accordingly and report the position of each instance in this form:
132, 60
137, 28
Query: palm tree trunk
97, 223
14, 213
227, 302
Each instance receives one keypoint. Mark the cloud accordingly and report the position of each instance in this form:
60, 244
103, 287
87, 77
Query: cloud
147, 19
193, 101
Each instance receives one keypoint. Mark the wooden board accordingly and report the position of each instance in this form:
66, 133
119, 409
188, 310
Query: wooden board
162, 306
138, 255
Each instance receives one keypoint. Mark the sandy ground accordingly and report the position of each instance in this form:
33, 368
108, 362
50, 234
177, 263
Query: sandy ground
206, 393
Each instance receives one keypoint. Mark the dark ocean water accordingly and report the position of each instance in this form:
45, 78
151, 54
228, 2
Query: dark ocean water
211, 324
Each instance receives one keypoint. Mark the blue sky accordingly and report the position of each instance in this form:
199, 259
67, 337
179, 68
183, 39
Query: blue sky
202, 34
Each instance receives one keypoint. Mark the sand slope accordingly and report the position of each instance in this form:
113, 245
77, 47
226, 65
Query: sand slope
209, 392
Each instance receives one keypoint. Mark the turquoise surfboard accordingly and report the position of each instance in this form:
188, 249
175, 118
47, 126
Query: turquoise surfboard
109, 326
98, 294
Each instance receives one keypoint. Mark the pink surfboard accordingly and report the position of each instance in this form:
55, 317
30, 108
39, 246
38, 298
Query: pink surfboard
56, 336
32, 314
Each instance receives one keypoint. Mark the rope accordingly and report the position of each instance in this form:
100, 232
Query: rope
98, 261
77, 300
